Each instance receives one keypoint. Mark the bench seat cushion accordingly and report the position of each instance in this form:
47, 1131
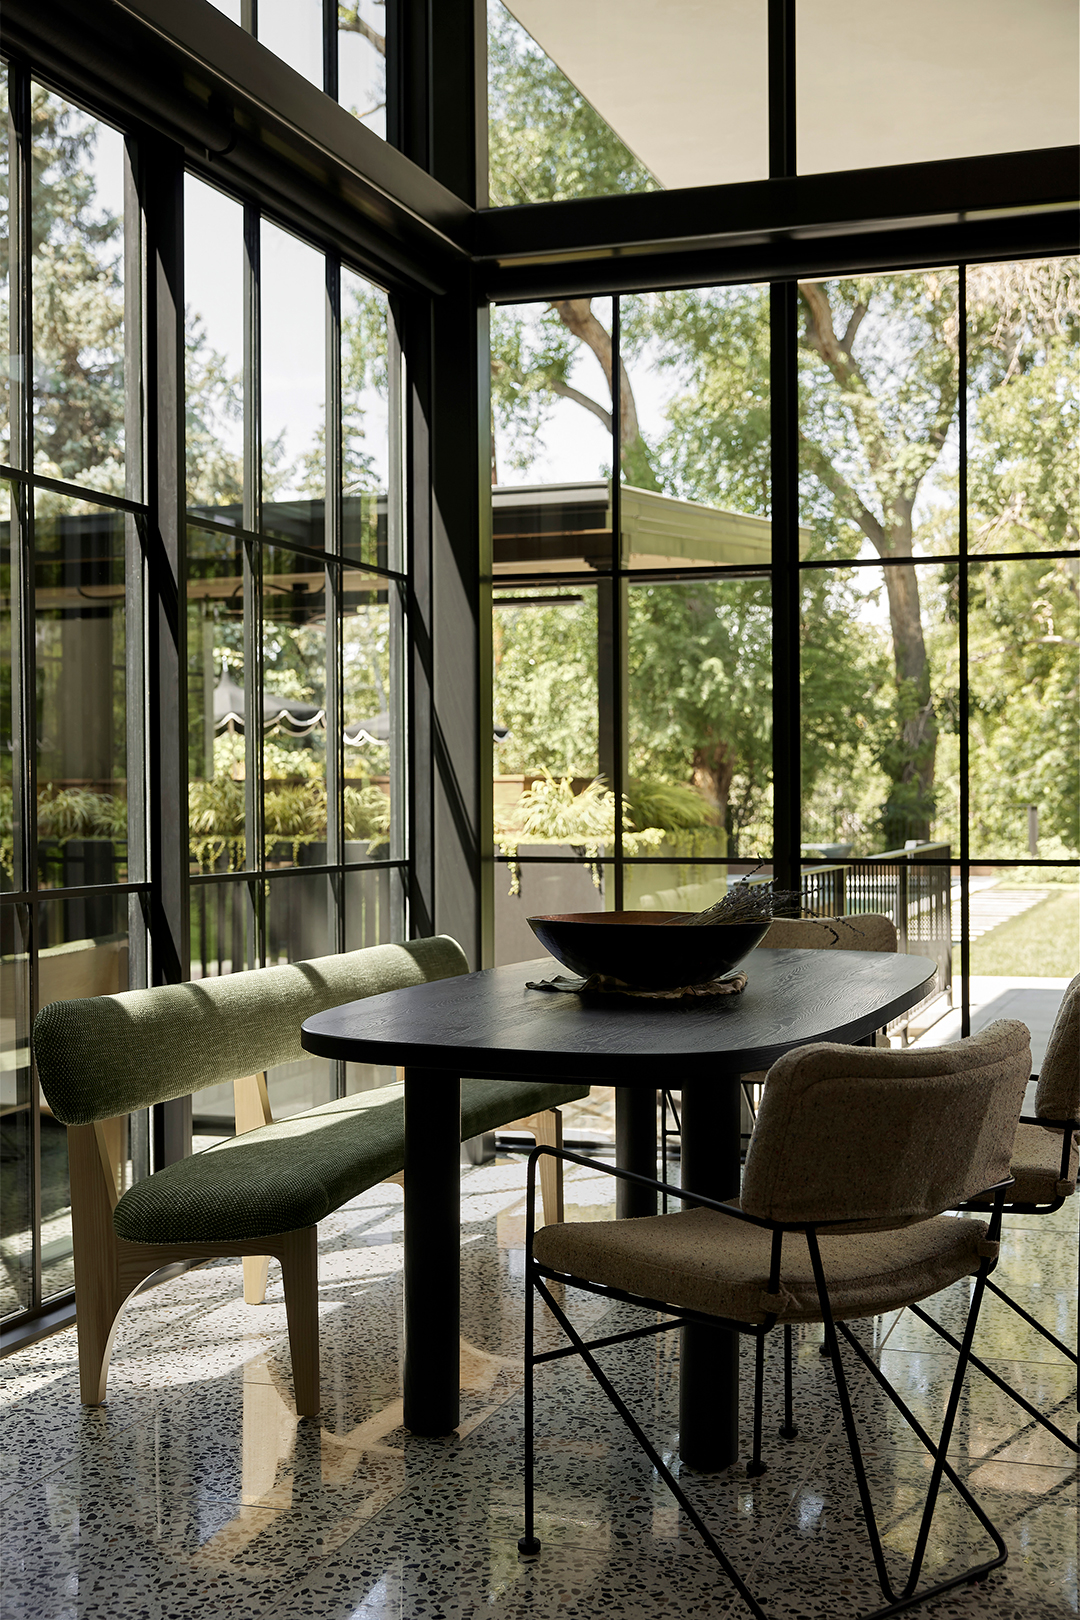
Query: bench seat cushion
291, 1174
277, 1178
488, 1104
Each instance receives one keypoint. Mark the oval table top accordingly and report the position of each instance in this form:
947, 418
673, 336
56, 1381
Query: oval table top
489, 1024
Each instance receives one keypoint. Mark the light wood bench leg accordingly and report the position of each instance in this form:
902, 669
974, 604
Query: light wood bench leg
546, 1127
299, 1256
251, 1106
256, 1271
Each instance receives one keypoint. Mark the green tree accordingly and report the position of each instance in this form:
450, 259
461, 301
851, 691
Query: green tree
78, 304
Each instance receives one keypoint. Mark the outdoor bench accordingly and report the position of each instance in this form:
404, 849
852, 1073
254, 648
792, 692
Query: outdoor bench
262, 1192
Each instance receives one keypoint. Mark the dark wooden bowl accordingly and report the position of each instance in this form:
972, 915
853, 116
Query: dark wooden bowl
634, 946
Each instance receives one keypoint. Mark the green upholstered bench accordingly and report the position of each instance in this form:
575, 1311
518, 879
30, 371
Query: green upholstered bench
262, 1192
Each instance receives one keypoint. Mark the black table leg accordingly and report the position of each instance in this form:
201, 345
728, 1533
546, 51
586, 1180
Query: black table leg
709, 1357
635, 1148
432, 1250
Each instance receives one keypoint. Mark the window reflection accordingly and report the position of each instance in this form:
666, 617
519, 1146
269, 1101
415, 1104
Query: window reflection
78, 294
81, 706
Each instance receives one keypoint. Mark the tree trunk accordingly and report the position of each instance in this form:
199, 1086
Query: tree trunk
911, 766
713, 773
577, 316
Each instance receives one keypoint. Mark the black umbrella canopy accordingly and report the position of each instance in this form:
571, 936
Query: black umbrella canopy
376, 729
229, 706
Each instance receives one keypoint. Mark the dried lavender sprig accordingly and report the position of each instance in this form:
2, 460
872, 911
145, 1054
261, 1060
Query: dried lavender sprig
745, 903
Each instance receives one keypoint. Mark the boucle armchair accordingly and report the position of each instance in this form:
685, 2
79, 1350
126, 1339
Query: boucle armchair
1044, 1167
841, 1216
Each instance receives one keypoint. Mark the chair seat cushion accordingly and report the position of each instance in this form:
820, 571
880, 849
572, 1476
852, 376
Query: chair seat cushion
291, 1174
708, 1262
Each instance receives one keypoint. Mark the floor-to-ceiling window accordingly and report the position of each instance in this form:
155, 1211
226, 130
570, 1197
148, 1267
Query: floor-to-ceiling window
294, 574
72, 847
935, 562
295, 591
873, 695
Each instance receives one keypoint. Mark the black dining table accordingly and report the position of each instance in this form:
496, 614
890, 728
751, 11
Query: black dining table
489, 1025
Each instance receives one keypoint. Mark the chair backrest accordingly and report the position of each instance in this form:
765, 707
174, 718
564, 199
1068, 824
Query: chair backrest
1057, 1096
886, 1138
868, 932
107, 1055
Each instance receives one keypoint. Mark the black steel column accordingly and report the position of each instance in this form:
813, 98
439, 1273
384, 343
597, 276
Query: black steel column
708, 1356
432, 1250
784, 433
962, 583
635, 1148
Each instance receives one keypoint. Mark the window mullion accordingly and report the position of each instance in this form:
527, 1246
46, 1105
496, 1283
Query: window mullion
253, 637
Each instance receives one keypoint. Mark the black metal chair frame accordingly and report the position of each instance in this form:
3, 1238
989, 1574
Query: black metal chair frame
537, 1276
1067, 1127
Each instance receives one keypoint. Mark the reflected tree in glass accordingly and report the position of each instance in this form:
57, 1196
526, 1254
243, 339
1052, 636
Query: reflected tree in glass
78, 297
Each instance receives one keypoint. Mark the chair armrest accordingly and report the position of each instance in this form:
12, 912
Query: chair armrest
682, 1193
1066, 1127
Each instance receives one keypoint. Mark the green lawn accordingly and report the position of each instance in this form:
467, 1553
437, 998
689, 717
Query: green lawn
1043, 943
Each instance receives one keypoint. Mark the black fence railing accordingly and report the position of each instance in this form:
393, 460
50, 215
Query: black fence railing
912, 886
299, 917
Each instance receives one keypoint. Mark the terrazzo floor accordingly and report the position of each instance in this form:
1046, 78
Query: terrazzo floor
196, 1492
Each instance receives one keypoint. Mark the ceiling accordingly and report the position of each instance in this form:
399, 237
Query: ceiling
684, 82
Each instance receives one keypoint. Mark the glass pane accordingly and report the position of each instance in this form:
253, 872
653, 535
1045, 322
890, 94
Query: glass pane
222, 941
362, 48
880, 701
7, 370
216, 704
16, 1094
545, 648
222, 929
1024, 928
82, 951
588, 101
231, 8
292, 29
81, 693
1023, 635
78, 297
373, 731
699, 701
542, 890
695, 453
299, 918
374, 907
689, 886
922, 80
294, 710
365, 425
1024, 405
1025, 935
293, 305
11, 811
374, 915
878, 385
551, 435
214, 289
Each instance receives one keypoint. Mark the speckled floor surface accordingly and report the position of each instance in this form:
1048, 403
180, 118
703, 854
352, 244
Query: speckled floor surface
195, 1491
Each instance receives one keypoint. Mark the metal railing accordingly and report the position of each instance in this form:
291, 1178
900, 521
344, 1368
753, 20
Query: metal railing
912, 886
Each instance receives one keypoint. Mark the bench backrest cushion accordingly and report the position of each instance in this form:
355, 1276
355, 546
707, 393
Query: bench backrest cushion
107, 1055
